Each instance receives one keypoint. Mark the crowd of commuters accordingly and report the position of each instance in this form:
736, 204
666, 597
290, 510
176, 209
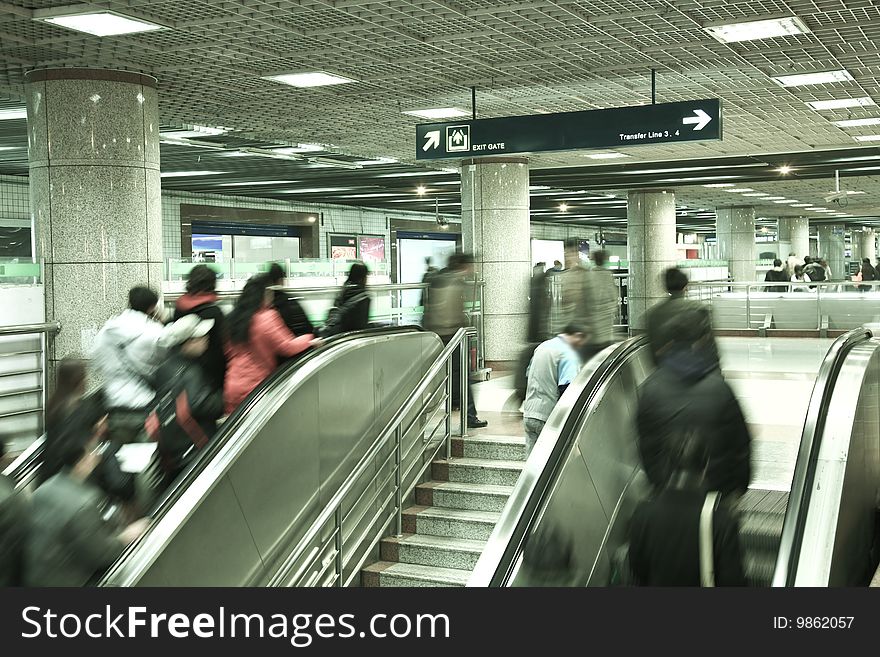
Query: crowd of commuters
160, 378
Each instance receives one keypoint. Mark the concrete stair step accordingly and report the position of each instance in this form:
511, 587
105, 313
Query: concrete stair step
457, 495
477, 471
426, 550
453, 523
502, 448
386, 574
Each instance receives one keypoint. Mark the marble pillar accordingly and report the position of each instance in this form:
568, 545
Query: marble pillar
783, 237
650, 235
93, 140
735, 231
832, 248
868, 240
800, 236
495, 229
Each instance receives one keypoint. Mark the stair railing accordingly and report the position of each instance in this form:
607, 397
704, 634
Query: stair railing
369, 504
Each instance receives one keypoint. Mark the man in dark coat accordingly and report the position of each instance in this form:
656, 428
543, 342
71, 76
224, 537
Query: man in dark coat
291, 311
201, 299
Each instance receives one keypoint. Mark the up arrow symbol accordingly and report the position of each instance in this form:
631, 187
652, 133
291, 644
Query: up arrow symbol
700, 121
432, 140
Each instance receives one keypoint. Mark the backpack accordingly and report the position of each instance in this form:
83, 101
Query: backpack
172, 427
337, 313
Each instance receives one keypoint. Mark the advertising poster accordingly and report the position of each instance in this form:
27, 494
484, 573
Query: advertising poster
372, 248
584, 250
343, 247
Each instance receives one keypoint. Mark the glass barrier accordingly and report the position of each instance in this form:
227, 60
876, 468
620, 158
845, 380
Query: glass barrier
15, 271
178, 269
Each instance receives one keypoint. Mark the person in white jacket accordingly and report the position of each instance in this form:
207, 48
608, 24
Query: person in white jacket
127, 352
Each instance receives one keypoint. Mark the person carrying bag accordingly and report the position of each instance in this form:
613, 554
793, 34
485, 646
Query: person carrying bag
351, 311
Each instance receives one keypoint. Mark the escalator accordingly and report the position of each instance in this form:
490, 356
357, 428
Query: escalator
274, 464
566, 522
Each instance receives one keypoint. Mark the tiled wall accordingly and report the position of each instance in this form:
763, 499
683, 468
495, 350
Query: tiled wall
14, 205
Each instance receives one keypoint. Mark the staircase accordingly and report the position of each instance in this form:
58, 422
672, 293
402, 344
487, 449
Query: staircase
455, 513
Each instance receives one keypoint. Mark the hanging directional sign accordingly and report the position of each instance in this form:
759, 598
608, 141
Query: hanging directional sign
694, 120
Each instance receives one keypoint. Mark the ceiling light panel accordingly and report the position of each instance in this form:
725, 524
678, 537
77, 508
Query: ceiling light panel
858, 123
807, 79
96, 23
841, 103
187, 174
606, 156
309, 80
756, 30
438, 113
864, 138
13, 114
258, 182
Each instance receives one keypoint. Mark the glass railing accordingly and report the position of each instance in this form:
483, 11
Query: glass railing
178, 269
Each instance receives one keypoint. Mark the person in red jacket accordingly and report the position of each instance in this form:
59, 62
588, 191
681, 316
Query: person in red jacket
258, 338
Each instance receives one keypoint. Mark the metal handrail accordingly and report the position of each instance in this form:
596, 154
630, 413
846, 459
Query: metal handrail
25, 329
808, 455
545, 463
393, 429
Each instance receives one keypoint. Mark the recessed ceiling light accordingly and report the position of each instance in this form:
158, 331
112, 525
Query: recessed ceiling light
841, 103
785, 202
372, 195
11, 114
258, 182
720, 185
97, 23
421, 189
801, 205
315, 190
867, 138
378, 160
533, 188
785, 169
312, 220
563, 207
416, 174
804, 79
756, 30
307, 80
187, 174
775, 198
10, 148
438, 113
606, 156
739, 190
857, 123
757, 194
194, 132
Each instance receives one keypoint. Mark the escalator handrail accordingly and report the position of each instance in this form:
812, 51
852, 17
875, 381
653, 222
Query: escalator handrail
544, 465
808, 455
235, 422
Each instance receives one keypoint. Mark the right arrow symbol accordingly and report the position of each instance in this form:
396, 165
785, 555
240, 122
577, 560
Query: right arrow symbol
432, 140
700, 121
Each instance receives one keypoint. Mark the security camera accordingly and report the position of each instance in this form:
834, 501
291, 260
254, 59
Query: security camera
836, 197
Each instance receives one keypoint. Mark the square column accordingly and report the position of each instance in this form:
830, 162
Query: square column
650, 236
495, 229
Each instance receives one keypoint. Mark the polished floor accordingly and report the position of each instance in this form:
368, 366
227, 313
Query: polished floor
771, 377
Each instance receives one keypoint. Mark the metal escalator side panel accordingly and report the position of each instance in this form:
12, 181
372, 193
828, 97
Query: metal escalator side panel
272, 469
792, 537
841, 518
556, 457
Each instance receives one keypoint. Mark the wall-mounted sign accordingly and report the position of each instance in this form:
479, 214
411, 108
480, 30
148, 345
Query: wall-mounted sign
343, 247
694, 120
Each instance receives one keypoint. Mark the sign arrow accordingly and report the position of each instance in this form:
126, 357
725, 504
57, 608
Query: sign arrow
700, 121
432, 140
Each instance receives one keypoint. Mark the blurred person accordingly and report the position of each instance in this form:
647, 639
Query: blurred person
824, 264
658, 317
776, 275
126, 353
799, 277
188, 406
556, 268
445, 314
687, 398
351, 310
14, 523
814, 270
665, 538
257, 339
867, 272
600, 293
573, 300
201, 300
791, 262
539, 305
292, 313
69, 543
554, 365
430, 272
71, 417
539, 268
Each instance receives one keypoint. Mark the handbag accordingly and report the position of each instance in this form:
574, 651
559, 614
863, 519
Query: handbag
707, 541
